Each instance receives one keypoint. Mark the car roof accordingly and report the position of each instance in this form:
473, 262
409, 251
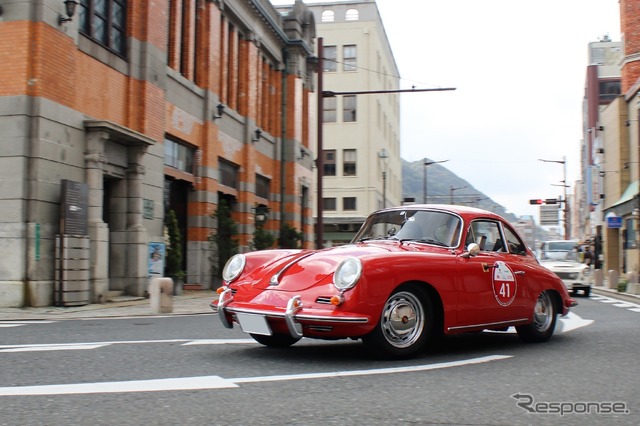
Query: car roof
464, 211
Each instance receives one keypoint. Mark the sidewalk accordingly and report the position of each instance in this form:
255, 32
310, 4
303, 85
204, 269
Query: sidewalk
188, 303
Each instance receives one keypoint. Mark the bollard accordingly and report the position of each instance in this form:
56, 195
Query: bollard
613, 278
598, 277
160, 295
632, 283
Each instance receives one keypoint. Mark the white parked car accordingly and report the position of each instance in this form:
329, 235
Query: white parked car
577, 276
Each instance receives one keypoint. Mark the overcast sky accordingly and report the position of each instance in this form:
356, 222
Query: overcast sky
519, 72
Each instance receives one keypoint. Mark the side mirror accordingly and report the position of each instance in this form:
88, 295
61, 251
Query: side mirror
472, 250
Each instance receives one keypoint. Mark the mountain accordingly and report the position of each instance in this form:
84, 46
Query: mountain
440, 182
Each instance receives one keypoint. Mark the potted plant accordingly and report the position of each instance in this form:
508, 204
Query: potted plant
174, 252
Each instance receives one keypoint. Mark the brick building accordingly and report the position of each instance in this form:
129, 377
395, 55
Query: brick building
147, 107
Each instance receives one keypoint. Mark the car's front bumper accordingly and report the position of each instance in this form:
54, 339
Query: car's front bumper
294, 315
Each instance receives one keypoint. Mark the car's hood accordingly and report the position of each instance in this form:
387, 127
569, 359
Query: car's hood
562, 265
300, 270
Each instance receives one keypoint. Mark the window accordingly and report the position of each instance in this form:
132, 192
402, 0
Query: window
349, 203
329, 112
349, 108
329, 162
104, 22
351, 15
486, 234
330, 57
228, 174
328, 203
262, 186
513, 243
349, 59
179, 156
328, 16
349, 162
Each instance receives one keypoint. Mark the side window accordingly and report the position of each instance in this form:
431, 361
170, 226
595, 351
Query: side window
516, 246
486, 234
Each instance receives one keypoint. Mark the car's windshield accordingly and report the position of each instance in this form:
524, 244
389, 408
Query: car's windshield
569, 256
431, 227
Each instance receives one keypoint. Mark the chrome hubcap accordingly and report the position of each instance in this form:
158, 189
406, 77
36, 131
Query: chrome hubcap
543, 313
402, 319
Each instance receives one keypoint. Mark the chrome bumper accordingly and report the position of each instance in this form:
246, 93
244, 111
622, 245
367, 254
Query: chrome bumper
291, 314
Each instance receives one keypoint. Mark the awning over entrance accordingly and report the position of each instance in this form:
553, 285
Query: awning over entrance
626, 203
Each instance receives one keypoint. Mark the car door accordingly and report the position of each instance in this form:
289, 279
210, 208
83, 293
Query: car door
490, 283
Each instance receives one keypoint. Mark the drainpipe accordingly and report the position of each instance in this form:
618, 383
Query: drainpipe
283, 138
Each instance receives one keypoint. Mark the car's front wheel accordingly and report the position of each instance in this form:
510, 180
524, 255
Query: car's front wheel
406, 323
545, 315
275, 341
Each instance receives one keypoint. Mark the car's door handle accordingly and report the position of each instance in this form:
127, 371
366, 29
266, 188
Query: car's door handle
519, 272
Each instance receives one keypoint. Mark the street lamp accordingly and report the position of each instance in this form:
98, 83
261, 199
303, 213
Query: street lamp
567, 231
383, 156
424, 177
451, 189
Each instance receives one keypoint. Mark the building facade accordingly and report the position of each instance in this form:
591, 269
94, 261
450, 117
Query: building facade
362, 168
611, 158
145, 108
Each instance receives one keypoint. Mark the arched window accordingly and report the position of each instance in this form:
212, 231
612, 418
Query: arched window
328, 16
351, 15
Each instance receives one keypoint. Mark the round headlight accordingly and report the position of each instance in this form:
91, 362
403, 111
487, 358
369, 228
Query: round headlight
348, 273
586, 272
234, 267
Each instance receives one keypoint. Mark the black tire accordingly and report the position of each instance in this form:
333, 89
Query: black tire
275, 341
545, 314
587, 291
406, 324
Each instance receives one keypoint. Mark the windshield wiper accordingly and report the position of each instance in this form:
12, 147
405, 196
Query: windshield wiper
425, 240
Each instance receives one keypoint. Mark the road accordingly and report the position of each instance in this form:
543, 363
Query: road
190, 370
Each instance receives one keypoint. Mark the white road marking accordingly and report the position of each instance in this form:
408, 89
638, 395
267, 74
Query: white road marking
571, 321
219, 342
11, 323
635, 309
624, 305
65, 347
617, 303
216, 382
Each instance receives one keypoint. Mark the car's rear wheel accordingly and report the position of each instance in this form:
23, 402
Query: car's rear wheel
405, 325
275, 341
545, 315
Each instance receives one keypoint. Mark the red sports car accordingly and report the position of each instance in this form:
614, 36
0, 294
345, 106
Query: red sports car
410, 274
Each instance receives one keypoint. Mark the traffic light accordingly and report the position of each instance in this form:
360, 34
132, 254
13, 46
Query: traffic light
540, 201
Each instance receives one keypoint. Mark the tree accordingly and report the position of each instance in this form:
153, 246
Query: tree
289, 237
174, 247
222, 237
262, 239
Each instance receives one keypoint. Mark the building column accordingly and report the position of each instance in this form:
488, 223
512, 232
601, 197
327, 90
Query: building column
95, 158
136, 235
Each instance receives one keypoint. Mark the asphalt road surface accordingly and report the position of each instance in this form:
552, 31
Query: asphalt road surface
189, 370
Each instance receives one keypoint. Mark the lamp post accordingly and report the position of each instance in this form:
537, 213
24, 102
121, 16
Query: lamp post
424, 177
451, 189
383, 156
567, 233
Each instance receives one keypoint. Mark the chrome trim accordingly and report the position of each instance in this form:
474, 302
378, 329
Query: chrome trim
275, 280
294, 305
306, 317
224, 299
488, 325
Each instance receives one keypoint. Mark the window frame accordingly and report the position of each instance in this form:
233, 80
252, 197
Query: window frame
87, 16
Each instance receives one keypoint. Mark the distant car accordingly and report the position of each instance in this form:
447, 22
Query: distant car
576, 276
556, 249
410, 274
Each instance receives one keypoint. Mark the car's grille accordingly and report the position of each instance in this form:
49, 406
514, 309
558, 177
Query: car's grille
567, 275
